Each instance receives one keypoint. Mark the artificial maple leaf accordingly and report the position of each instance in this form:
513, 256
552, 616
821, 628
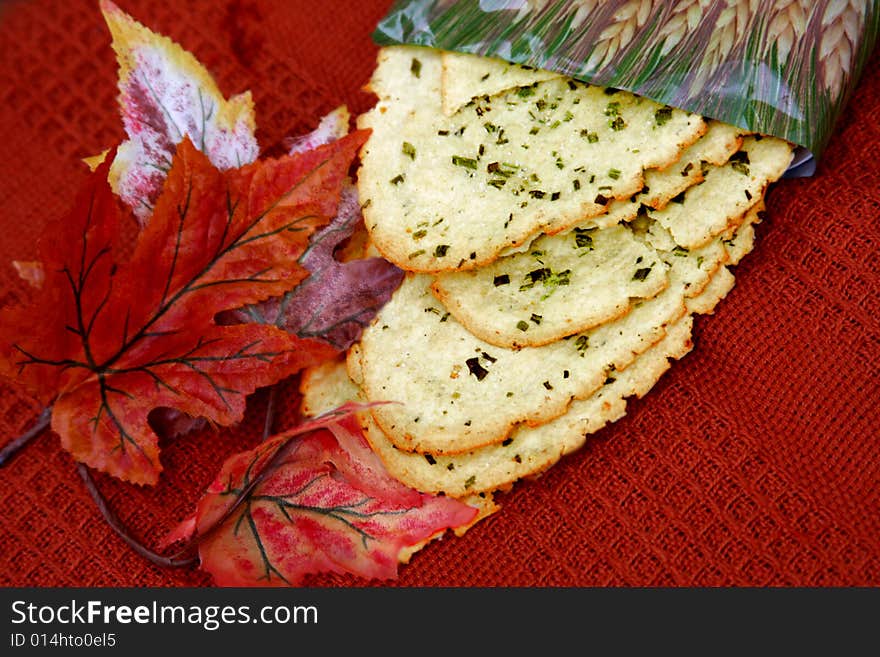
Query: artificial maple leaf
164, 95
338, 299
105, 342
315, 499
331, 127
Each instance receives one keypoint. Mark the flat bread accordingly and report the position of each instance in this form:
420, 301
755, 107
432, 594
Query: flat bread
529, 450
449, 193
723, 198
457, 392
564, 284
714, 148
466, 76
742, 241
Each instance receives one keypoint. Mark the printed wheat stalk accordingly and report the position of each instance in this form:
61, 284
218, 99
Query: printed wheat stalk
731, 30
841, 25
787, 25
582, 9
625, 22
682, 20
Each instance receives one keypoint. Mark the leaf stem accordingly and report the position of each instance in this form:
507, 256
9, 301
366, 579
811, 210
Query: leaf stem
122, 531
269, 424
14, 446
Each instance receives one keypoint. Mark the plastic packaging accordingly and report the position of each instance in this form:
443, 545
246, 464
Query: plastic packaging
780, 67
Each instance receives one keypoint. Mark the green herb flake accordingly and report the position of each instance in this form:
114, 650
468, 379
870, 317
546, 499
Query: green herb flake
641, 273
581, 344
396, 180
582, 238
536, 319
419, 234
662, 115
501, 279
522, 325
466, 162
739, 162
409, 150
416, 68
440, 250
617, 123
612, 109
614, 174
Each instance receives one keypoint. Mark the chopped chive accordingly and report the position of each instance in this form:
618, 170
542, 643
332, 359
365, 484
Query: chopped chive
476, 369
662, 115
466, 162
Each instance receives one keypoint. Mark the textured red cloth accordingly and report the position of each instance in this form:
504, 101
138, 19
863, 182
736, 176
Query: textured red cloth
754, 461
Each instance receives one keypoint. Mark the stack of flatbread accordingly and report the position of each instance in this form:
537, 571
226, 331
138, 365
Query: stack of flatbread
558, 239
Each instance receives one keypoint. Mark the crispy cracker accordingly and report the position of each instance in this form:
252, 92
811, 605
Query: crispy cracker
529, 450
532, 450
466, 76
327, 386
447, 193
714, 148
564, 284
458, 392
721, 201
719, 285
741, 242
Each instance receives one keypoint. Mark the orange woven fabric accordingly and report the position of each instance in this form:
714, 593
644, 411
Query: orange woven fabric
754, 461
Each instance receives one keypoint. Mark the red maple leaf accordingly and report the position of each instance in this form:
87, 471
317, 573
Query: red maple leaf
338, 299
315, 499
106, 341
